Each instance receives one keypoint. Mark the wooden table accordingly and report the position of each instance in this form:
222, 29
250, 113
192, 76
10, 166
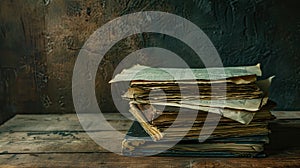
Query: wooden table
59, 141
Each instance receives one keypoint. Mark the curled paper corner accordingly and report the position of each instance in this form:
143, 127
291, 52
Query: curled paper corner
271, 78
264, 85
258, 65
124, 71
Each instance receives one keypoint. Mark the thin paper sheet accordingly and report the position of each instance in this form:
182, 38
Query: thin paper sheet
139, 72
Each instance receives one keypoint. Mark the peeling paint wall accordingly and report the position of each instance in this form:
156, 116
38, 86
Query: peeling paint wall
45, 41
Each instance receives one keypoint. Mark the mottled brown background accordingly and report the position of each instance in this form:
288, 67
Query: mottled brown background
39, 45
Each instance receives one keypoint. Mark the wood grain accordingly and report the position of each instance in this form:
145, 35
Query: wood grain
59, 141
113, 160
58, 122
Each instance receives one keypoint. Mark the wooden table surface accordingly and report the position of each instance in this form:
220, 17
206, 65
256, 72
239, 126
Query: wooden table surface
59, 141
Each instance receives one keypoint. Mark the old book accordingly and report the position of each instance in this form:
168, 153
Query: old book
138, 143
230, 100
172, 104
155, 122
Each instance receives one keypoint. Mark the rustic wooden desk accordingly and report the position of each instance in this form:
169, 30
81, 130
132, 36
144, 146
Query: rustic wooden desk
59, 141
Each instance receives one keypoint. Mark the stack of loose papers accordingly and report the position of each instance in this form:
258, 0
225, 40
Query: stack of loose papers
220, 112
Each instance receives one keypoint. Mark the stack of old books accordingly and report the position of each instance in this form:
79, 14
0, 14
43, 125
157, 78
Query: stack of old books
218, 112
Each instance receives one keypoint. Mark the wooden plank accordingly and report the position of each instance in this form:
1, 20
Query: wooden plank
54, 133
88, 160
62, 133
52, 122
113, 160
286, 114
74, 141
53, 142
58, 122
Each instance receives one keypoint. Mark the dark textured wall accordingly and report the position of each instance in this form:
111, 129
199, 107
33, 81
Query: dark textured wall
41, 43
247, 32
21, 56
